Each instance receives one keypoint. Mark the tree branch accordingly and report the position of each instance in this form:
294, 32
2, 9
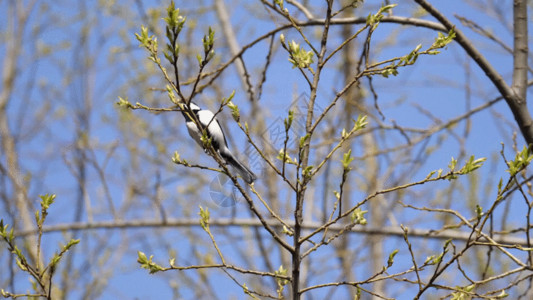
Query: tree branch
252, 222
520, 50
516, 103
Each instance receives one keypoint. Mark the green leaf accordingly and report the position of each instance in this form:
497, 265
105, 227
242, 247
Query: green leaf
204, 218
479, 211
47, 200
234, 111
373, 20
387, 8
141, 257
168, 57
17, 251
357, 295
389, 71
124, 102
176, 51
147, 263
172, 262
472, 164
149, 42
208, 40
200, 60
57, 257
55, 260
390, 261
11, 236
283, 156
358, 216
245, 289
438, 259
502, 295
469, 288
347, 159
307, 172
173, 18
452, 164
206, 141
282, 38
299, 57
176, 158
169, 34
521, 161
442, 40
21, 265
360, 123
429, 260
303, 139
281, 272
286, 231
228, 100
71, 243
288, 121
37, 217
172, 96
410, 58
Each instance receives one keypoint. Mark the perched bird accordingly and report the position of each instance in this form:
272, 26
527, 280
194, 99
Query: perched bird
218, 139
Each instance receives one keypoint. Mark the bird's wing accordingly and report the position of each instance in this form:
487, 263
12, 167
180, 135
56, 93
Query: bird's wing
207, 118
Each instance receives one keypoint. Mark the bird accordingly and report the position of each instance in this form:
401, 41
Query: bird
209, 121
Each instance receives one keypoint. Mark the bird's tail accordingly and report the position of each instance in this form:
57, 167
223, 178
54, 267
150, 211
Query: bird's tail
245, 173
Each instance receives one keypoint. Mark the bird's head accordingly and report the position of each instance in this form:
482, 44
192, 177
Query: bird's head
194, 107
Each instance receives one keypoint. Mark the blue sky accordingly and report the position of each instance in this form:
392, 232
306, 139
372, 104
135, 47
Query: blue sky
434, 83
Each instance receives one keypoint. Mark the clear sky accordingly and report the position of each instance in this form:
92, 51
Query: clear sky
67, 36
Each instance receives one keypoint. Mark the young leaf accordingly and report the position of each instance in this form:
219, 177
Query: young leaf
347, 159
283, 156
479, 211
286, 231
281, 272
307, 171
522, 160
390, 261
20, 265
288, 121
124, 102
204, 218
360, 123
299, 57
47, 200
358, 216
234, 111
472, 164
303, 139
442, 40
147, 263
373, 20
452, 164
